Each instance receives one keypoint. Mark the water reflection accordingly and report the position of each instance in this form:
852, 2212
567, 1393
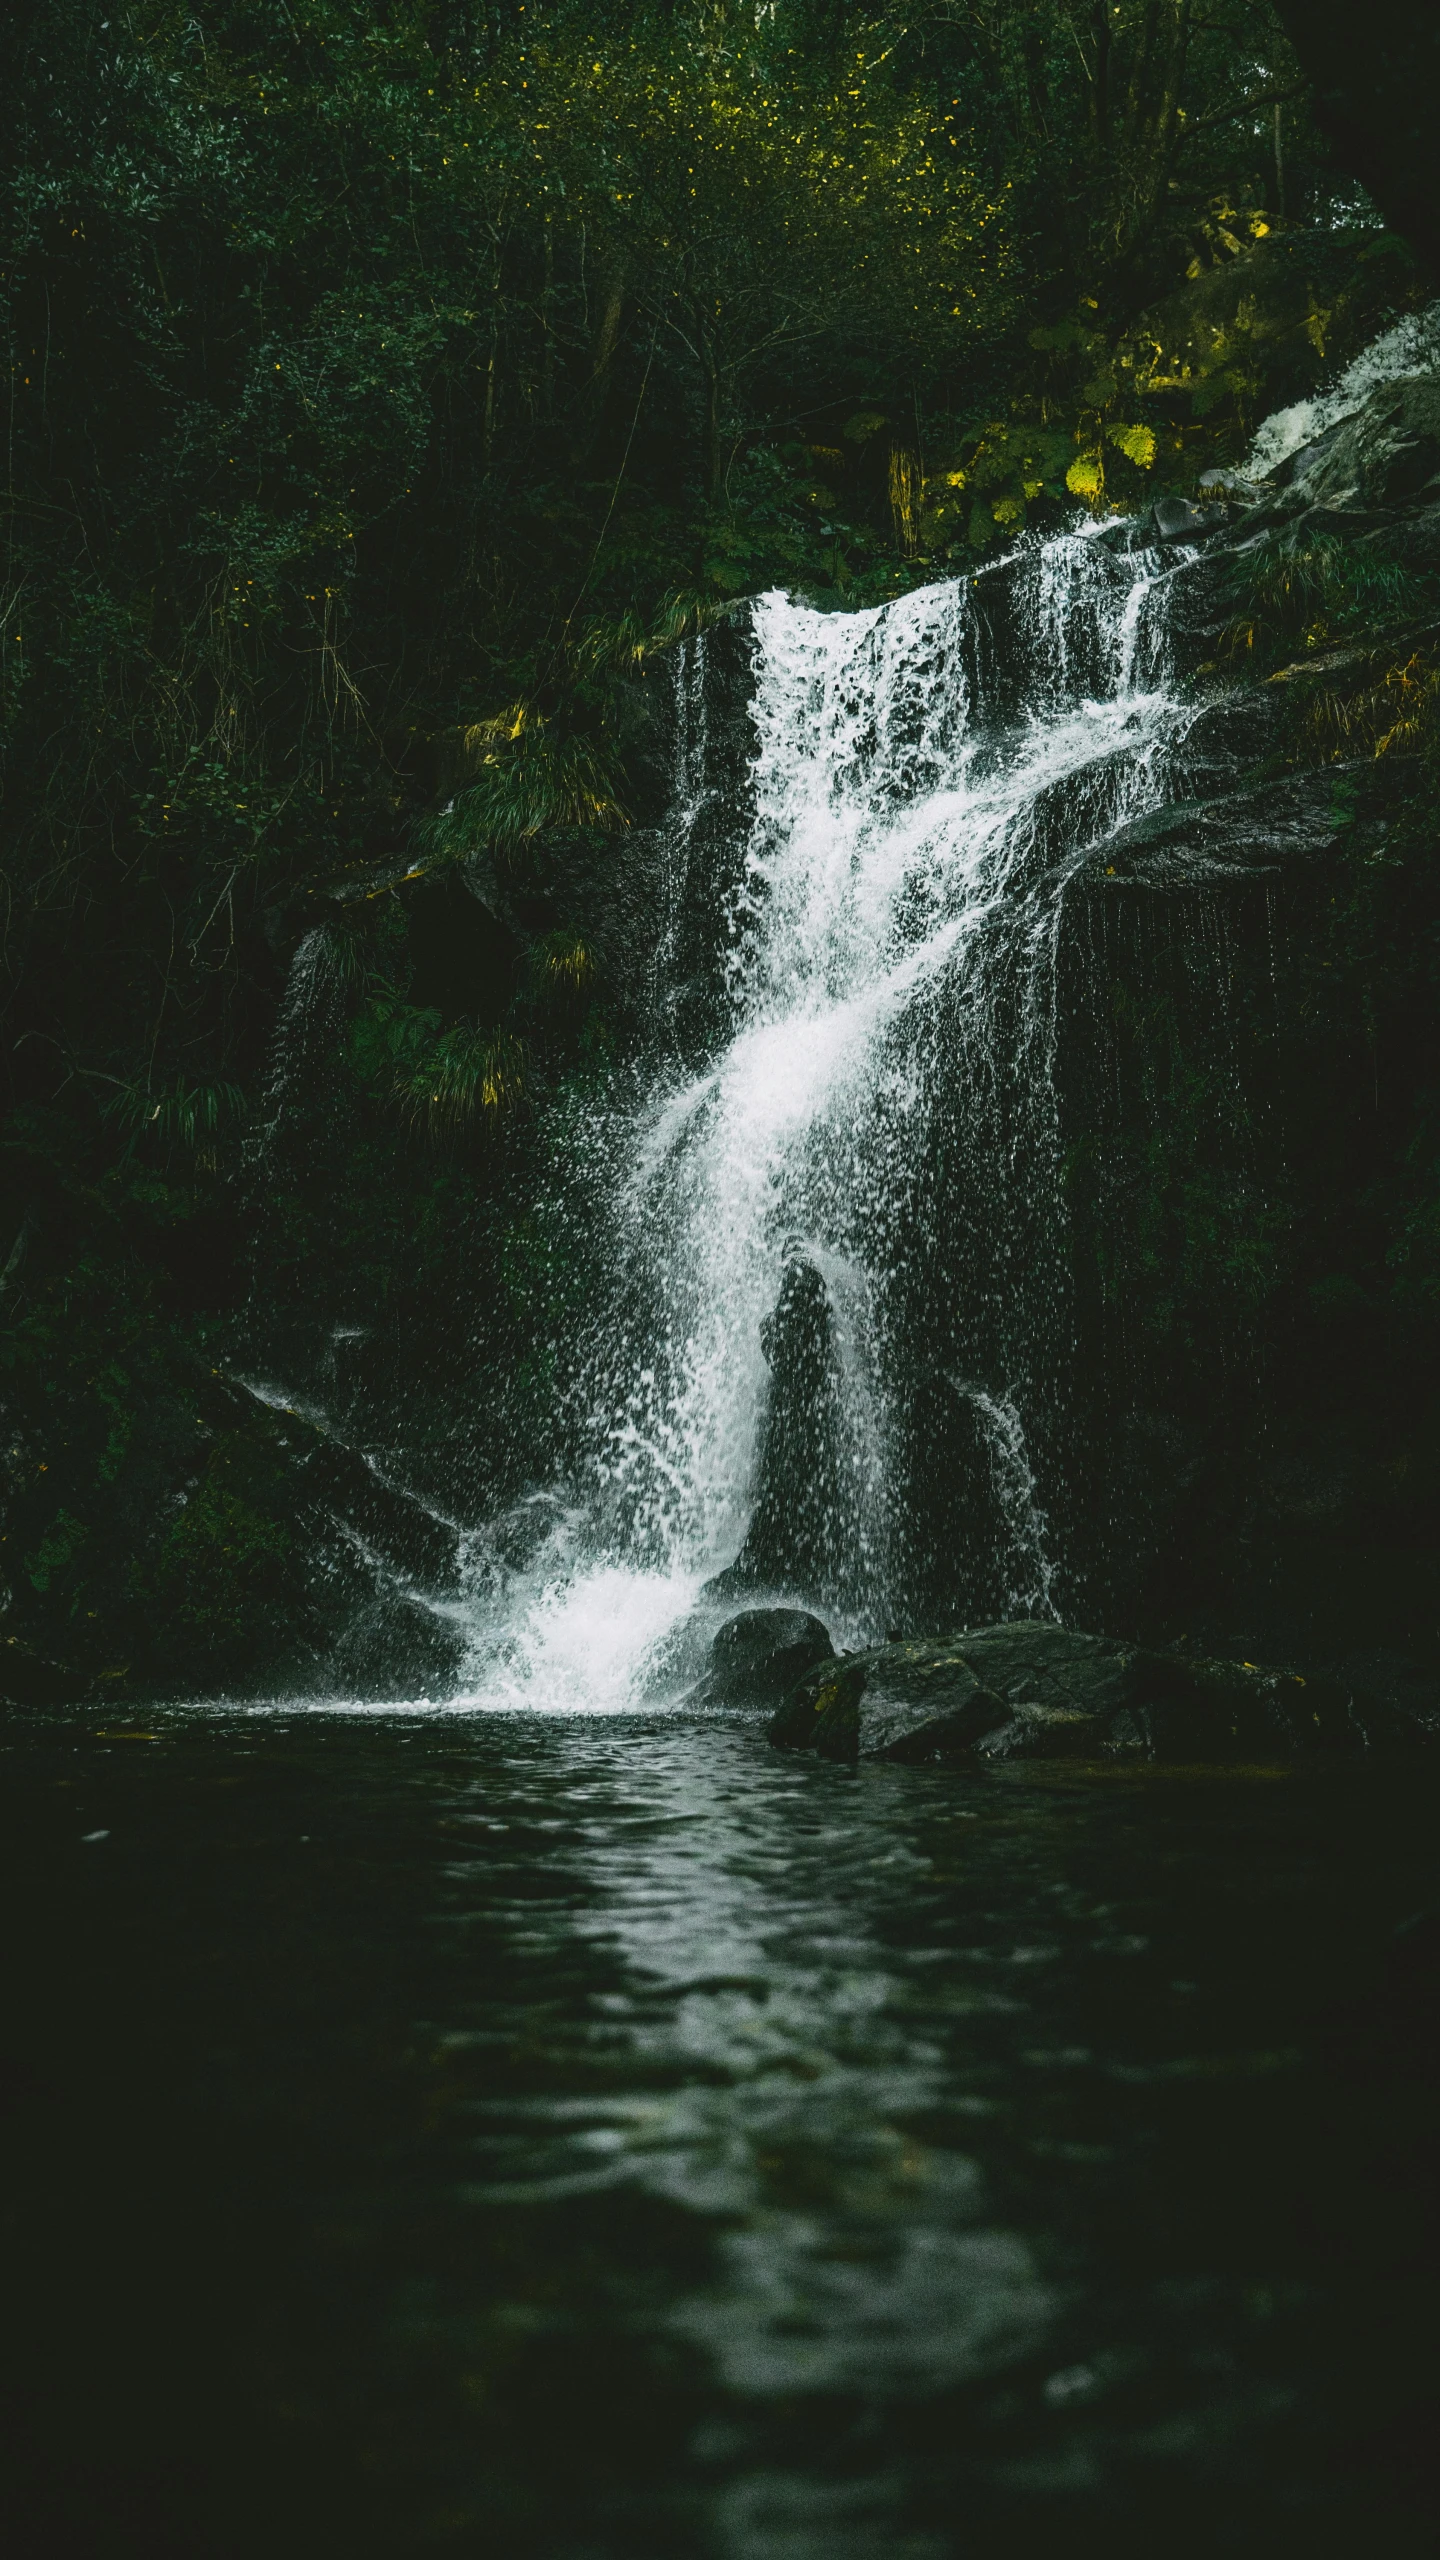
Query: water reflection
603, 2136
749, 1928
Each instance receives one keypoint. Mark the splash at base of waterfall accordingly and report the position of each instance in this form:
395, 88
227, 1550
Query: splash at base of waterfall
592, 1640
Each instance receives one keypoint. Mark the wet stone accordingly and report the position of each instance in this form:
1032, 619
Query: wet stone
758, 1656
1036, 1732
1053, 1669
1387, 454
909, 1702
826, 1687
1177, 520
1192, 1708
1032, 1691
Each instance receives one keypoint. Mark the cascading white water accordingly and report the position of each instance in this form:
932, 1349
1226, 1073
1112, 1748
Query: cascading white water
1411, 347
1030, 1567
927, 778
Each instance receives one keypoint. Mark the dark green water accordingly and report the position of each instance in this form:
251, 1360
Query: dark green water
583, 2137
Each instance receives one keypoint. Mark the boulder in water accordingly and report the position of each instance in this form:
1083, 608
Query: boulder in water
1028, 1690
760, 1655
1073, 1696
905, 1702
1190, 1708
1031, 1661
919, 1703
827, 1685
1177, 520
1030, 1730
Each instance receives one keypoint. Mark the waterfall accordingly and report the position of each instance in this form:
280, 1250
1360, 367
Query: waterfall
1412, 346
1027, 1565
834, 1362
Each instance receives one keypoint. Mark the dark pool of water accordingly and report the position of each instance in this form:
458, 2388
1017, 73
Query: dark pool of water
600, 2139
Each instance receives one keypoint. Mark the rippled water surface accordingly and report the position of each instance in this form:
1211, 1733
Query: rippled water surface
583, 2137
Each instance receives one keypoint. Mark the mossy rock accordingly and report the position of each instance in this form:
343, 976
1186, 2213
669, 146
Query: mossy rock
1028, 1690
822, 1691
908, 1702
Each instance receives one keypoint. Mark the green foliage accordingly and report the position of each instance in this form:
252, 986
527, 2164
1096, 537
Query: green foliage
466, 1076
1350, 632
1311, 591
528, 782
224, 1567
1390, 705
57, 1549
185, 1120
446, 1079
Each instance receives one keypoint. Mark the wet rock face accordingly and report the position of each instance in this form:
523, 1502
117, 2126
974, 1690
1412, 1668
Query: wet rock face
1031, 1691
804, 1528
1177, 520
760, 1655
698, 735
1256, 827
1058, 1671
1386, 455
245, 1550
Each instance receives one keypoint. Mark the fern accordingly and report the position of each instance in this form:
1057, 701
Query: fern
467, 1074
177, 1119
566, 965
527, 781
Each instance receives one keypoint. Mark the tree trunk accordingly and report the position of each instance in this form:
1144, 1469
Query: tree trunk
1377, 98
711, 465
1100, 86
612, 312
547, 333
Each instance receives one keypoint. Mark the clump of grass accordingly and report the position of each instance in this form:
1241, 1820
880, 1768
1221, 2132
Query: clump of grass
1353, 633
177, 1119
1317, 594
607, 647
1397, 715
564, 964
527, 781
467, 1076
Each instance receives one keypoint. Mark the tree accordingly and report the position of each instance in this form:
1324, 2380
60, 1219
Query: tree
1376, 92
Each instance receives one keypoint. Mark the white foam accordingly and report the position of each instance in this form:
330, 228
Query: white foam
1411, 347
583, 1643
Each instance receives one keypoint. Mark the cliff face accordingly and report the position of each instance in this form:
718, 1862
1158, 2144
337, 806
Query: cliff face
1252, 1089
1240, 1456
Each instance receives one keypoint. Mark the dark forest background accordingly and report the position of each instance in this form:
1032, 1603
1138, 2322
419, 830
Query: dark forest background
387, 388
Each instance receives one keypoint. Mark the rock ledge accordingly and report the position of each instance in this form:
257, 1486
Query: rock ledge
1031, 1691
